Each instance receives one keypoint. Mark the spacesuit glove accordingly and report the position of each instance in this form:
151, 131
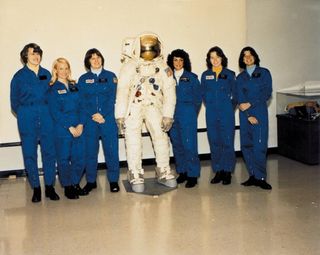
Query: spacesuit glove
166, 124
121, 125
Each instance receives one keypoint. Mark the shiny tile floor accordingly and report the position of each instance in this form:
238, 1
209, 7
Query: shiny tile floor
208, 219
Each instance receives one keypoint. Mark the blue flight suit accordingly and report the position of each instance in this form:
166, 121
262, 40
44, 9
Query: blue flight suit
256, 90
98, 94
29, 102
218, 95
64, 105
183, 133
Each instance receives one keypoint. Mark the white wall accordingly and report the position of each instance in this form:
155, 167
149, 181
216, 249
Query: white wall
286, 35
70, 27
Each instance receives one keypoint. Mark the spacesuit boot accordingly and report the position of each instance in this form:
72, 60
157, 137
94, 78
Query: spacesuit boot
166, 177
135, 178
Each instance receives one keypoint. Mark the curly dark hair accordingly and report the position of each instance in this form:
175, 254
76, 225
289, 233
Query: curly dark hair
219, 51
179, 53
24, 53
242, 65
89, 55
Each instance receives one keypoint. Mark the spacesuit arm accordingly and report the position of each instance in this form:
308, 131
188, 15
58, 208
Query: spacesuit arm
169, 93
127, 73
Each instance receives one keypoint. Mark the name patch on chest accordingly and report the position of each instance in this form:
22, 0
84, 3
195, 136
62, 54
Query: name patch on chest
62, 91
210, 77
89, 81
185, 79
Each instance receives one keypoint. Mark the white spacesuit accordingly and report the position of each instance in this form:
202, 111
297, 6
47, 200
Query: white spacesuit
146, 94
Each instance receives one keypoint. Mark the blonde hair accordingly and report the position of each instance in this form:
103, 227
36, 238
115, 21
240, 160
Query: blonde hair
54, 77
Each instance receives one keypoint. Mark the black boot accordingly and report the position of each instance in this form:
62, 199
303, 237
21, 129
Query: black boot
218, 177
70, 192
250, 182
191, 182
263, 184
182, 178
90, 186
226, 178
79, 191
36, 195
51, 193
114, 187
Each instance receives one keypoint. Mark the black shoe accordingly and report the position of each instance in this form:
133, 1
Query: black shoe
218, 177
263, 184
226, 178
51, 193
114, 187
182, 178
80, 192
250, 182
36, 195
191, 182
70, 192
90, 186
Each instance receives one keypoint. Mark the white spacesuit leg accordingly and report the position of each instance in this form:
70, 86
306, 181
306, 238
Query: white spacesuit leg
133, 143
160, 141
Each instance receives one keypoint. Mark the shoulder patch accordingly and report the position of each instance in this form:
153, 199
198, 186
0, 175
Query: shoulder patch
115, 80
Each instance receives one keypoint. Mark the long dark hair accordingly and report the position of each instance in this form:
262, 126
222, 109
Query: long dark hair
242, 65
219, 51
179, 53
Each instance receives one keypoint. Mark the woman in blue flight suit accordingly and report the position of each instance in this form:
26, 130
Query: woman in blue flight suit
64, 105
183, 133
98, 92
29, 88
218, 86
254, 89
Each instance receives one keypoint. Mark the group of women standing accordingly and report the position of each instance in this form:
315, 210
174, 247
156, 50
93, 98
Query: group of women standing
221, 91
55, 116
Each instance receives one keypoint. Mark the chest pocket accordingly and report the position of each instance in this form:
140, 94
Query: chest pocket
184, 90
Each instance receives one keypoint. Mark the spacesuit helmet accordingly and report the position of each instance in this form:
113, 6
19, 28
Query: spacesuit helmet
150, 47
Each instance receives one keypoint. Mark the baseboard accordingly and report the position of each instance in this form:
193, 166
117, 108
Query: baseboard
123, 164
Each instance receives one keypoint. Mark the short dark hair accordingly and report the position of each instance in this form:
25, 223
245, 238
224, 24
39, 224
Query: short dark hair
89, 55
179, 53
24, 53
242, 65
219, 51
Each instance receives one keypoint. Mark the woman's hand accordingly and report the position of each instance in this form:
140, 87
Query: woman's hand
97, 117
253, 120
244, 106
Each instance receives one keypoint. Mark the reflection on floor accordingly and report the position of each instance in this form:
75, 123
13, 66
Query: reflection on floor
208, 219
